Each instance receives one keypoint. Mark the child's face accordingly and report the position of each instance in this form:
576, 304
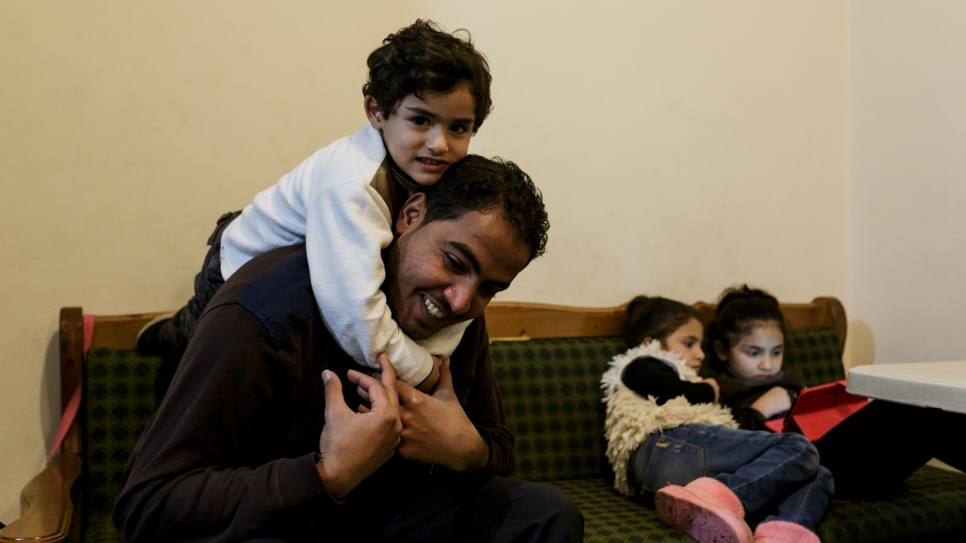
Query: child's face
758, 355
686, 342
424, 136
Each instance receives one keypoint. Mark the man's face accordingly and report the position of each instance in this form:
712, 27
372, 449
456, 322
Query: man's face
445, 272
425, 136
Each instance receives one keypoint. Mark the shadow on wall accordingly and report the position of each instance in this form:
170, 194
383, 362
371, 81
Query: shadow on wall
50, 393
859, 346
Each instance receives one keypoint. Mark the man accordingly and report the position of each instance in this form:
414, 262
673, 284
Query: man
234, 452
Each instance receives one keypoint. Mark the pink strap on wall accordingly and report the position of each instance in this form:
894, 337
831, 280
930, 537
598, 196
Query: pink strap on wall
73, 406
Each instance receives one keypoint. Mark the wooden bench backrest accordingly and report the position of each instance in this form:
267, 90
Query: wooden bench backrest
520, 320
516, 320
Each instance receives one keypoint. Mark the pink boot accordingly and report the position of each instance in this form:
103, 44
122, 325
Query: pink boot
716, 492
779, 531
696, 512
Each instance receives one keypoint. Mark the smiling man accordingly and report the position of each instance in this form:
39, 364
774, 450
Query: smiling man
269, 432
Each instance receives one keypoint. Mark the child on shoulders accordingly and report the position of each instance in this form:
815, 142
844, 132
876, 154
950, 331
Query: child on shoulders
427, 94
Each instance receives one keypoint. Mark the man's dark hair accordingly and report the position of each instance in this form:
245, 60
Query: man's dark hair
421, 57
481, 184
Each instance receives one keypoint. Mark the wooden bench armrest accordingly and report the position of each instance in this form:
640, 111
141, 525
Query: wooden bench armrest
46, 507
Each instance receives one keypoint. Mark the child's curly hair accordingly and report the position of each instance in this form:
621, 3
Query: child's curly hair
421, 57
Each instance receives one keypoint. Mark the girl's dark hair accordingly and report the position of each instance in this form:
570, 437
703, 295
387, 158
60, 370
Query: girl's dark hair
420, 58
656, 318
739, 310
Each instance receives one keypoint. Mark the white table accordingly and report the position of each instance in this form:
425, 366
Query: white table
926, 384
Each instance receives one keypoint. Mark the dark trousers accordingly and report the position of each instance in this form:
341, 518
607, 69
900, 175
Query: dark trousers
498, 509
874, 450
437, 509
207, 283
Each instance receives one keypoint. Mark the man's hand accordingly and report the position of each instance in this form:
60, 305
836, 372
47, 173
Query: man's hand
429, 383
353, 445
436, 430
773, 402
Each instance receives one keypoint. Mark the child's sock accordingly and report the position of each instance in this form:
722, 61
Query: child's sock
779, 531
714, 490
696, 513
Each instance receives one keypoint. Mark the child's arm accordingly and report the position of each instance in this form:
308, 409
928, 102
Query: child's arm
347, 227
429, 383
754, 405
648, 376
328, 203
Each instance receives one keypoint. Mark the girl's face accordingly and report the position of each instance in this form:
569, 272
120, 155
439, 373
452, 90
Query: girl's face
757, 355
686, 342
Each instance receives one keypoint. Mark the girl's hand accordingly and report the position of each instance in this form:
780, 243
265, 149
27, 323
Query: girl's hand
715, 387
774, 402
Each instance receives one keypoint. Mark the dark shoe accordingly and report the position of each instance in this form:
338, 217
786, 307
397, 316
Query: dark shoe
162, 336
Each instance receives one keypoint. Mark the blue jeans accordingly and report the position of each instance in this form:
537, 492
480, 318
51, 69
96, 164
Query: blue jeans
776, 475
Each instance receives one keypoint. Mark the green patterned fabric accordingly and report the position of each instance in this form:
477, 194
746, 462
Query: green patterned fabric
551, 393
815, 352
100, 529
121, 397
929, 507
610, 517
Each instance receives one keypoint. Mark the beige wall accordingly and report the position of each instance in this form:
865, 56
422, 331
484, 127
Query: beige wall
908, 73
681, 147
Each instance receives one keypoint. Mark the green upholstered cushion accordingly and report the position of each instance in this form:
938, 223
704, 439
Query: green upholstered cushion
551, 393
121, 397
100, 529
929, 506
552, 397
815, 352
610, 517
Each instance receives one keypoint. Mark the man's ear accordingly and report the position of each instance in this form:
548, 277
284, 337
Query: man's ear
412, 213
373, 112
647, 340
720, 350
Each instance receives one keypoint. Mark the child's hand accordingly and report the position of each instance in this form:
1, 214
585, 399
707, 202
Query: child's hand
773, 402
429, 383
714, 385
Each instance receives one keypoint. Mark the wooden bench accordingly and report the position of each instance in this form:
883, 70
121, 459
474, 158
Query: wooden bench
548, 361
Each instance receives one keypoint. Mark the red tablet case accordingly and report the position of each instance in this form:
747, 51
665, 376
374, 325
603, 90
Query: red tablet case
818, 410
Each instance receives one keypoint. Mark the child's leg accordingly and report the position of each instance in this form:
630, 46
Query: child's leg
673, 465
786, 465
759, 467
168, 337
209, 279
806, 505
874, 450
